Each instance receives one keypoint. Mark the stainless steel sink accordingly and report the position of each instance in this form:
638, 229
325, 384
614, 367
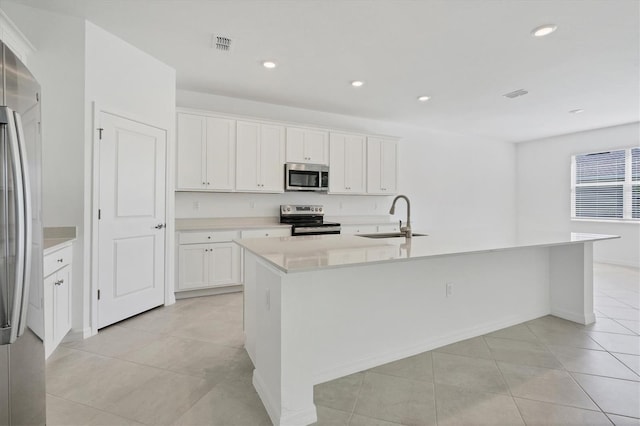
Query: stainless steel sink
389, 235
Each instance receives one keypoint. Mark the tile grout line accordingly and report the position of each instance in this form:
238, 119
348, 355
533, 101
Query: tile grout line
353, 409
504, 379
95, 408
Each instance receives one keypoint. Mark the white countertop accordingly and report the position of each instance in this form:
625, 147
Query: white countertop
308, 253
57, 237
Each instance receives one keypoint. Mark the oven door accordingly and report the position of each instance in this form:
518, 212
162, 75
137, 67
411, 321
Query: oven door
314, 230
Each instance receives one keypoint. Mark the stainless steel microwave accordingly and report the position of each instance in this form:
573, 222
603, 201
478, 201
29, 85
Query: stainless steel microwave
306, 177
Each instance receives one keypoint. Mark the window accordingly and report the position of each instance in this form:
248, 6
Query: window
606, 185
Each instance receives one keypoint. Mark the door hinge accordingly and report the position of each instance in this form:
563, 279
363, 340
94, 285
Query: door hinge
99, 214
98, 294
100, 129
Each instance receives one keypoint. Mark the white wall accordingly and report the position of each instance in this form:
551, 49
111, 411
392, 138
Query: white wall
58, 64
122, 79
78, 63
544, 190
455, 183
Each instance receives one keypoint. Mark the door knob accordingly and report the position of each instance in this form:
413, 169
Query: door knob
160, 226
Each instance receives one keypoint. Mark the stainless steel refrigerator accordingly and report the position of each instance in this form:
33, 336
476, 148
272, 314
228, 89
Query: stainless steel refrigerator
22, 364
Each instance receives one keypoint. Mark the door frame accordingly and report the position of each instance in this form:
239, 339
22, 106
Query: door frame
91, 216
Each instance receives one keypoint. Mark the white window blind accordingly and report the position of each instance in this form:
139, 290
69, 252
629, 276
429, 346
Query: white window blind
606, 185
635, 183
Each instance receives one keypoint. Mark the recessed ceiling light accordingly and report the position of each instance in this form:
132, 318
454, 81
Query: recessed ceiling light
357, 83
269, 64
424, 98
543, 30
576, 111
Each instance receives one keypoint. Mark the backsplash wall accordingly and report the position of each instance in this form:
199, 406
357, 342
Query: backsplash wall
198, 204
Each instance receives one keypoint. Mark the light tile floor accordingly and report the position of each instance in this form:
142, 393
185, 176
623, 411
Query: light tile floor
185, 365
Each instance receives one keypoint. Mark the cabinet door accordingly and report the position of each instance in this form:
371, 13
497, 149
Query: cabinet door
355, 169
307, 146
382, 157
224, 264
221, 152
49, 314
389, 167
193, 266
191, 166
337, 175
295, 145
316, 146
271, 158
61, 305
247, 156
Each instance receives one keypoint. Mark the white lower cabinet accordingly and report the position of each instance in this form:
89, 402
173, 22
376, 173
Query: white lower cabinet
208, 259
368, 229
57, 297
358, 229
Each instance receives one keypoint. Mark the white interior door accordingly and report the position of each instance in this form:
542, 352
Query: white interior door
131, 228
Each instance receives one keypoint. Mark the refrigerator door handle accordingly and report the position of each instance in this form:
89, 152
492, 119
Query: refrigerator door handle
10, 332
28, 225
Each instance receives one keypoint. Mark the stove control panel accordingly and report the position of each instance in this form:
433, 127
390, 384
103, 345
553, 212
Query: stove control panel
298, 210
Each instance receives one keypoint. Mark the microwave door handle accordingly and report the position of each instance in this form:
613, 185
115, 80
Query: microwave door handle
12, 314
28, 225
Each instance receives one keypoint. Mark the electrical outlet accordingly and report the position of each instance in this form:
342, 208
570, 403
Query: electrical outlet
196, 205
252, 205
268, 299
449, 289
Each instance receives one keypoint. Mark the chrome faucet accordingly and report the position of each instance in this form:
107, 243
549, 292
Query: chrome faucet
406, 230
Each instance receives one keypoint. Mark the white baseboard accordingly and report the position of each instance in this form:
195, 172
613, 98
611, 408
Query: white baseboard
306, 416
424, 346
77, 334
618, 262
573, 316
209, 291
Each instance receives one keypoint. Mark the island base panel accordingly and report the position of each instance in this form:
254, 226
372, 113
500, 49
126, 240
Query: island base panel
306, 328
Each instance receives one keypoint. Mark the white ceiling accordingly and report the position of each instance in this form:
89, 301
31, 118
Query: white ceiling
464, 53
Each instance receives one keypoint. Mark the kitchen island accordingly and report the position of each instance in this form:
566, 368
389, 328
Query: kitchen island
322, 307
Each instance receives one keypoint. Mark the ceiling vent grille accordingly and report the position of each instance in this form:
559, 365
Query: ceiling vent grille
222, 43
515, 93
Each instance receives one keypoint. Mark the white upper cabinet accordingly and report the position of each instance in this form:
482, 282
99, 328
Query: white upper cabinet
307, 146
347, 163
260, 157
382, 166
206, 153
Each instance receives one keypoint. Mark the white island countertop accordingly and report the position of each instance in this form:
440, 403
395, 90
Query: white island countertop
308, 253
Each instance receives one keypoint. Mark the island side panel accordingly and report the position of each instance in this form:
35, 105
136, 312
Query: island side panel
364, 316
266, 340
249, 304
571, 281
278, 336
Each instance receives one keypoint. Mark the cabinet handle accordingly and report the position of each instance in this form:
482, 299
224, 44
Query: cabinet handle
209, 237
60, 260
208, 183
58, 282
204, 183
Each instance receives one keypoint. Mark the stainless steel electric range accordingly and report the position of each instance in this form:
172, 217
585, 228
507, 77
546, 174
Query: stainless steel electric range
307, 220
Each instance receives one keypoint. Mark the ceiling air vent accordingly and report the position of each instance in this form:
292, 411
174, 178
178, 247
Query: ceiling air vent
222, 43
515, 93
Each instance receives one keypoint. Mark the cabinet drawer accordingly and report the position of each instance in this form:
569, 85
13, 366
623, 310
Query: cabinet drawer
388, 228
359, 229
207, 237
56, 260
267, 232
